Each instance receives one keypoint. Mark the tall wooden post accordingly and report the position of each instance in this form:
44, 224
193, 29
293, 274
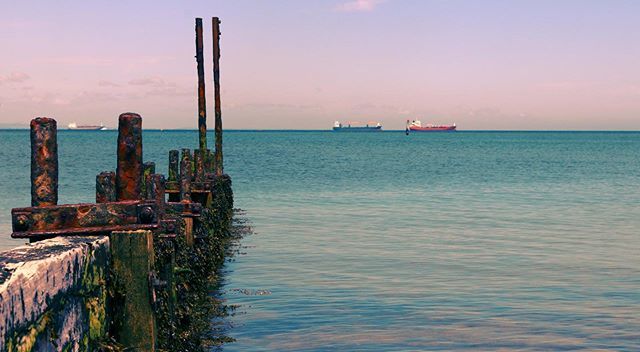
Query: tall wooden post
202, 105
219, 170
44, 162
129, 171
132, 261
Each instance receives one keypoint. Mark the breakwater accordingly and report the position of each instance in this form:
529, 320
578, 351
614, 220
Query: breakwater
133, 269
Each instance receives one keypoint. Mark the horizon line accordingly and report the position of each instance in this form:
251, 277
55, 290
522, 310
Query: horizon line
319, 130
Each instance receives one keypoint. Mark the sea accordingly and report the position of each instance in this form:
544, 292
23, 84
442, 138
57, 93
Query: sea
466, 241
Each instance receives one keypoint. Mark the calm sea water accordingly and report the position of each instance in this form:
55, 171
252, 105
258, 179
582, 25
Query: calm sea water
476, 241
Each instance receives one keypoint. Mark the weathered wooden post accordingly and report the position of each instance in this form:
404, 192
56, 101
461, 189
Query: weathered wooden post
185, 191
148, 169
219, 170
132, 261
199, 156
106, 187
174, 172
164, 245
44, 162
155, 191
185, 175
129, 171
174, 157
202, 105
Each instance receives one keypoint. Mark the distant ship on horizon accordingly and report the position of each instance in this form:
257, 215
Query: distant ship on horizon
357, 126
416, 126
75, 126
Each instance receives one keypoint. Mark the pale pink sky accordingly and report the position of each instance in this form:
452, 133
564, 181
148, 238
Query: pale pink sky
537, 64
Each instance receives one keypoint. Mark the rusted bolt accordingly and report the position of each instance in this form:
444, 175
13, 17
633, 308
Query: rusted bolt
171, 227
146, 215
22, 223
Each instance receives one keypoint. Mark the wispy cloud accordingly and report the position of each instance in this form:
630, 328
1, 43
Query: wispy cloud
79, 61
358, 5
14, 77
151, 82
107, 84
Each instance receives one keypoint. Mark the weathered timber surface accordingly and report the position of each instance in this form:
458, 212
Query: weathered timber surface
202, 104
106, 187
133, 260
53, 295
218, 162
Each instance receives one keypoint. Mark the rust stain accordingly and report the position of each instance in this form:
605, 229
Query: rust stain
129, 171
44, 162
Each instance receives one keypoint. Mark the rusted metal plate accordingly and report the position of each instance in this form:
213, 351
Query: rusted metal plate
82, 218
101, 218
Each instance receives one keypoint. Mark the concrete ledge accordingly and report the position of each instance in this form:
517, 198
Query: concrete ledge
53, 294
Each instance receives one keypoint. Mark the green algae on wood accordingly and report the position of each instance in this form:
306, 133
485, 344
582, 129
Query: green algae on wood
132, 262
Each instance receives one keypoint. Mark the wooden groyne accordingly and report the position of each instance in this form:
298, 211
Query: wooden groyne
132, 270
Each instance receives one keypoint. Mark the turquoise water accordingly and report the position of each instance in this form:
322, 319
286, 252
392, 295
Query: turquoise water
475, 241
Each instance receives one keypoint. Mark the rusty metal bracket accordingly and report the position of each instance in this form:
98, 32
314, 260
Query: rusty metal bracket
84, 218
125, 200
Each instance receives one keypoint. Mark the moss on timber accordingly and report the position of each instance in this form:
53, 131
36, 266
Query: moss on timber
90, 295
184, 321
183, 316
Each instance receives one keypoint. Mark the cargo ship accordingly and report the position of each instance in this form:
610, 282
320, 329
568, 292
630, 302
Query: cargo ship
75, 126
416, 126
357, 127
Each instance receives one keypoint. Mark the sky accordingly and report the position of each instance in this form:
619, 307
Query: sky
527, 64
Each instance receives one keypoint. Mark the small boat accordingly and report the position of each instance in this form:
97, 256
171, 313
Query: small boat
357, 126
75, 126
416, 126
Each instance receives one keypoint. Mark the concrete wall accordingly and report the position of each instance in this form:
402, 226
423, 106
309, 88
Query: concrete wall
53, 295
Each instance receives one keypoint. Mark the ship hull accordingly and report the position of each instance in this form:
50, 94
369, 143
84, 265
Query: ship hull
358, 129
432, 129
88, 128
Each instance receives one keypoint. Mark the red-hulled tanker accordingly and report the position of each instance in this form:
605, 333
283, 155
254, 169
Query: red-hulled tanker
416, 126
